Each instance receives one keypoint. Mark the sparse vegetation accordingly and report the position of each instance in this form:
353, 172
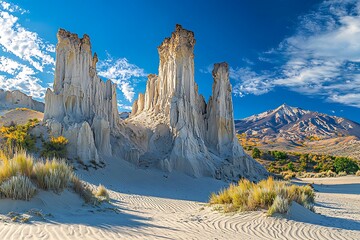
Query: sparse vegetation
102, 193
18, 187
358, 173
52, 175
84, 191
248, 196
21, 173
291, 164
18, 136
343, 164
256, 153
56, 147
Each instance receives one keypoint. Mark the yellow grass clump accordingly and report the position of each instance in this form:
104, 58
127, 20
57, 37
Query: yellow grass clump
102, 193
358, 173
53, 175
248, 196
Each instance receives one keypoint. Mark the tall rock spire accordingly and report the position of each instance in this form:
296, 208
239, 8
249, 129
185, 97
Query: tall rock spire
81, 107
186, 134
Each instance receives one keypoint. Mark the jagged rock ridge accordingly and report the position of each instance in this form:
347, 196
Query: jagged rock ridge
14, 99
185, 133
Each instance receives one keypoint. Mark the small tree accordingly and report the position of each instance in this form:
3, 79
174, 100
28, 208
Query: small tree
291, 166
256, 153
278, 155
344, 164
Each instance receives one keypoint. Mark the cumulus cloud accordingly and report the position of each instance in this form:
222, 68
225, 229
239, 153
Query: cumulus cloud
23, 54
322, 58
14, 75
22, 43
123, 107
123, 73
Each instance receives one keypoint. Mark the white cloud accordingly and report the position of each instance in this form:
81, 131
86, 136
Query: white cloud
14, 75
122, 73
123, 107
24, 53
322, 58
22, 43
10, 7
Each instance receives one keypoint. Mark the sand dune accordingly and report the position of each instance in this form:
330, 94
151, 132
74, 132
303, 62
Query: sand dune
148, 204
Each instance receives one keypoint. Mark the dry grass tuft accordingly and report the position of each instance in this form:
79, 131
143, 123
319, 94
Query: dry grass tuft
53, 175
84, 191
248, 196
341, 174
18, 187
358, 173
102, 193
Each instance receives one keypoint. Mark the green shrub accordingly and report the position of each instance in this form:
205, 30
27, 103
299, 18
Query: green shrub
343, 164
279, 155
256, 153
18, 187
56, 147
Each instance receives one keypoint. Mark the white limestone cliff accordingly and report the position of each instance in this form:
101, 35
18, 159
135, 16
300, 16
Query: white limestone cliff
14, 99
81, 107
183, 133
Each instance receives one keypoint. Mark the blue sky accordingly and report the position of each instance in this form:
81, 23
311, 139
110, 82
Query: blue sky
303, 53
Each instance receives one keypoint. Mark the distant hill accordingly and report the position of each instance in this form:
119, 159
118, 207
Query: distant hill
295, 129
17, 99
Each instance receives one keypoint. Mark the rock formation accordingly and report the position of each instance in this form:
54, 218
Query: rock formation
14, 99
82, 107
170, 127
183, 132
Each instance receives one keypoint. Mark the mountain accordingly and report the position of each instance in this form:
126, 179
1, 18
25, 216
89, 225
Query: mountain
295, 129
293, 123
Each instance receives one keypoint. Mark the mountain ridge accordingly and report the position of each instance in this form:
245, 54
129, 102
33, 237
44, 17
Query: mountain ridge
295, 123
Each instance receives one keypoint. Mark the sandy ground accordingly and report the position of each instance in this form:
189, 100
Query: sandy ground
148, 204
19, 116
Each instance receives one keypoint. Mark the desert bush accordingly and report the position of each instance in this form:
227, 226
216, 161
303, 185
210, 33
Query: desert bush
102, 193
320, 175
248, 196
287, 175
256, 153
280, 205
18, 187
56, 147
341, 174
358, 173
343, 164
279, 155
331, 174
53, 175
84, 191
17, 136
